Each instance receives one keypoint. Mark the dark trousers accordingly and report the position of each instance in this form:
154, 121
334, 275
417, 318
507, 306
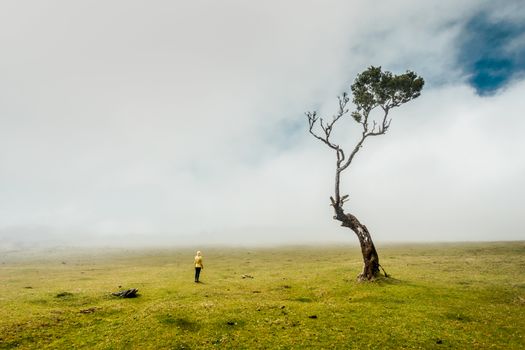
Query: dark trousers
197, 273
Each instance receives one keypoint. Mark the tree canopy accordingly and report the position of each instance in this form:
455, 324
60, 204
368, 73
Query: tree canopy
375, 88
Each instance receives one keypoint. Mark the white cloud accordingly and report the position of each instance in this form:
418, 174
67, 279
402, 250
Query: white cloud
185, 120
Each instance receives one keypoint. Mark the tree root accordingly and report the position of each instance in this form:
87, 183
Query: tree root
386, 274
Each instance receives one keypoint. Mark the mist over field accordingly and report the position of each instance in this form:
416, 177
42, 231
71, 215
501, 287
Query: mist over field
176, 123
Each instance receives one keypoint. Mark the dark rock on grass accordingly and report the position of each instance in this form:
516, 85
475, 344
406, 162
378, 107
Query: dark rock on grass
439, 341
64, 294
88, 310
127, 293
312, 316
236, 323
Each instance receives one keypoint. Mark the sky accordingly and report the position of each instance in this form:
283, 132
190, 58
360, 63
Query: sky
178, 122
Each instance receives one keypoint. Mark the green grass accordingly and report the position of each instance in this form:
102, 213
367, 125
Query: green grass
459, 296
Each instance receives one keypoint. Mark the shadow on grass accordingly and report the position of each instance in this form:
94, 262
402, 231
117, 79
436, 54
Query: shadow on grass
458, 316
385, 281
379, 281
180, 322
302, 299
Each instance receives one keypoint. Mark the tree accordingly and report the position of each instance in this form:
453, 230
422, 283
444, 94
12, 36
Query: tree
372, 89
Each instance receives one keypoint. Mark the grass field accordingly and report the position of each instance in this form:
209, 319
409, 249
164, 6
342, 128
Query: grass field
446, 296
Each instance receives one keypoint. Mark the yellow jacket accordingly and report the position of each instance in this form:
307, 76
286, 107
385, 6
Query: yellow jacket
198, 261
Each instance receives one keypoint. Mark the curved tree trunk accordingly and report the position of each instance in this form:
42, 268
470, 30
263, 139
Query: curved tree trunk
368, 250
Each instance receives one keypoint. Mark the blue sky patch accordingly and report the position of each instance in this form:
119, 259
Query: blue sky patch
491, 53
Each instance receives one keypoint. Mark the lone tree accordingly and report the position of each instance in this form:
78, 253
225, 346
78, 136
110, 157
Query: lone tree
372, 89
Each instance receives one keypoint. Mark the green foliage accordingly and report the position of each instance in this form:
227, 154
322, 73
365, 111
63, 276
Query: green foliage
373, 88
357, 116
461, 296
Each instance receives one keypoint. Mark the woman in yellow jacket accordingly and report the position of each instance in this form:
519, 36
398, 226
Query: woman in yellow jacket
198, 266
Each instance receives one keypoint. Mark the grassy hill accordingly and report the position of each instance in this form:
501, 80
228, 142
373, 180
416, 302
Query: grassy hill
459, 296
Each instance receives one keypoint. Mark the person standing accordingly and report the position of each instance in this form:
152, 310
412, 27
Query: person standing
198, 266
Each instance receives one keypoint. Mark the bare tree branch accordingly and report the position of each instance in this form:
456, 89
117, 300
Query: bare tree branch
327, 127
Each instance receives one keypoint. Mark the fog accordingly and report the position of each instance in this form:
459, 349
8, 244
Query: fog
171, 122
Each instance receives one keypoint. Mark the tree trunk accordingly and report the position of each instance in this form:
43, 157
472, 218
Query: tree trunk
370, 257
